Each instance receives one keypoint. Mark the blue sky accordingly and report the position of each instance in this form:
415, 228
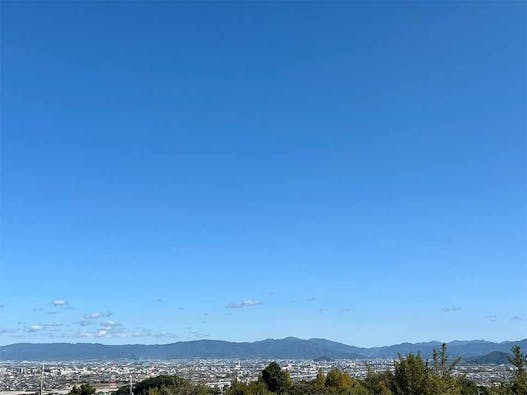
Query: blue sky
241, 171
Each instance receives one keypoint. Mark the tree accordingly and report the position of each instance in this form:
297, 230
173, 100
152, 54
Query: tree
442, 374
519, 361
276, 379
342, 383
252, 388
165, 385
441, 366
378, 383
412, 377
84, 389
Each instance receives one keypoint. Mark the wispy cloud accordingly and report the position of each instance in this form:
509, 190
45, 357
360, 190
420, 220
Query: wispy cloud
109, 324
517, 318
108, 329
35, 328
47, 327
59, 303
450, 309
245, 303
85, 323
491, 318
151, 333
95, 316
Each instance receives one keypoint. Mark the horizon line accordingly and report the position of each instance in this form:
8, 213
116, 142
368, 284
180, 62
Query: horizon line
256, 341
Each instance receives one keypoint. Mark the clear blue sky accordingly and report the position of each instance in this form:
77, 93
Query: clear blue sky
173, 171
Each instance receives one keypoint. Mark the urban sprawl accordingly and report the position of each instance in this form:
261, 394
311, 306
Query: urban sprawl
17, 378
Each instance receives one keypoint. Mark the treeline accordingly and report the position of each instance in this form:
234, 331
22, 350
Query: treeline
411, 376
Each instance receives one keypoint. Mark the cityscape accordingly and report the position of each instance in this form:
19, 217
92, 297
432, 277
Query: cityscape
18, 378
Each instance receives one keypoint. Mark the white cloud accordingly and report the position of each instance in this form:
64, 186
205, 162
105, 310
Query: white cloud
59, 303
245, 303
109, 326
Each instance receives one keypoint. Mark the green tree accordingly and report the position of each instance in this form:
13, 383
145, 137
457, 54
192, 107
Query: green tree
442, 374
519, 361
320, 380
412, 377
276, 379
442, 368
378, 383
166, 385
338, 380
253, 388
84, 389
342, 383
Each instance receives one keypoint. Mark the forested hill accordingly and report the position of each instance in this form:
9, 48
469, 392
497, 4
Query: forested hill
288, 348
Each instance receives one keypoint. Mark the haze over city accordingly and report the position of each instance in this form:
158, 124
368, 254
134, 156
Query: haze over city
244, 171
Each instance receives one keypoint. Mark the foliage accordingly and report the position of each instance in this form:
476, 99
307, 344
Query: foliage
442, 367
84, 389
165, 385
412, 377
276, 379
519, 361
378, 383
253, 388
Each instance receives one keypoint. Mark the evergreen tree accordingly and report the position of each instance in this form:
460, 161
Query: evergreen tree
412, 377
519, 361
276, 379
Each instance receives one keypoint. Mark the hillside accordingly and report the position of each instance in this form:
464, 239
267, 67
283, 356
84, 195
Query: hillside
288, 348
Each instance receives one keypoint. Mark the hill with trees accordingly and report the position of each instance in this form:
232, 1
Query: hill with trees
288, 348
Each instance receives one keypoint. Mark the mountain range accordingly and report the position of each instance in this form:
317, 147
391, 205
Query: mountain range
287, 348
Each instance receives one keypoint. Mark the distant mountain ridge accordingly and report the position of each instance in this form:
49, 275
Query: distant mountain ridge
495, 357
287, 348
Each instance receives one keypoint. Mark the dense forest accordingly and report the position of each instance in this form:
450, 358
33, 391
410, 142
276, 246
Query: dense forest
412, 375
